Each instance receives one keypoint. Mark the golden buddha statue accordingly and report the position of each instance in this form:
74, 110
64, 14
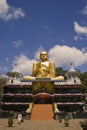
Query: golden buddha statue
43, 69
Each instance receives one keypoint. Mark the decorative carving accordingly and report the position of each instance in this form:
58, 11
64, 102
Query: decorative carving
43, 87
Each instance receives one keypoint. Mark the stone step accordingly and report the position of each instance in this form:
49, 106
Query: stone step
42, 112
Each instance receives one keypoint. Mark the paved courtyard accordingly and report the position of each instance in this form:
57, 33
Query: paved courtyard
40, 125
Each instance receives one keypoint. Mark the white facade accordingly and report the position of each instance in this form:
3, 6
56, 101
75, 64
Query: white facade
73, 76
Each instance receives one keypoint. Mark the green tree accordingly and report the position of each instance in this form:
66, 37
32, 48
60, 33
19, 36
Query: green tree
3, 81
60, 71
83, 77
14, 74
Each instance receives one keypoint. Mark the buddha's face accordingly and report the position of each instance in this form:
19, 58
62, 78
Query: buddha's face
43, 56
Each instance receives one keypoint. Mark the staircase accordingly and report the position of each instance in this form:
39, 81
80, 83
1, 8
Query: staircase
42, 112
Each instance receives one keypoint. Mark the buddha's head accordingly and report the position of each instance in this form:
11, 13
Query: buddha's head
43, 55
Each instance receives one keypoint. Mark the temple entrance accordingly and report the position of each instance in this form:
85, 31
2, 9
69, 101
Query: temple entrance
42, 109
43, 101
43, 98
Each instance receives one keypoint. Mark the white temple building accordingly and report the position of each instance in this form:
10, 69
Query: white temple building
72, 76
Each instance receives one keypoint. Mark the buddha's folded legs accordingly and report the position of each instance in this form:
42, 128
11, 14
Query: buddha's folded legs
28, 78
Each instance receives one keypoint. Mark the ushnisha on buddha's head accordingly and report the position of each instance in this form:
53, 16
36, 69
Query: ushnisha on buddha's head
43, 55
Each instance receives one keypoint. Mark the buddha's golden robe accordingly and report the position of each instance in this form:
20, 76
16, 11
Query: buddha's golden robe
43, 70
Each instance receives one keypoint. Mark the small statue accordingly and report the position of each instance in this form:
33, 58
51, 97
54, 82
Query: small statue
19, 118
66, 120
10, 122
43, 69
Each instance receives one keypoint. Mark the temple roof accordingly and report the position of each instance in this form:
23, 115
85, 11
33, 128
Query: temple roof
72, 70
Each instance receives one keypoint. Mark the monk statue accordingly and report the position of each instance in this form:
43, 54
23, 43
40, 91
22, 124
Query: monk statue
43, 69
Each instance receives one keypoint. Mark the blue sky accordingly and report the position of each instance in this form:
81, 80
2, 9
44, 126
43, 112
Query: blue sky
28, 26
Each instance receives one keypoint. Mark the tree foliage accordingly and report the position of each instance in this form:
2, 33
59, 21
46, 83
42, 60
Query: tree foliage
60, 71
3, 81
14, 74
83, 77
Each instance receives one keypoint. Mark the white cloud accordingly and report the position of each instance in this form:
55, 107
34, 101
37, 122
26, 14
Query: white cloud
78, 37
79, 29
64, 55
46, 28
84, 11
3, 69
60, 55
7, 59
17, 43
84, 50
7, 12
23, 64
